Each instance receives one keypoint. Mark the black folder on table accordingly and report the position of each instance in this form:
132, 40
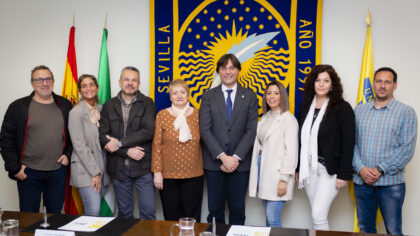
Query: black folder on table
116, 227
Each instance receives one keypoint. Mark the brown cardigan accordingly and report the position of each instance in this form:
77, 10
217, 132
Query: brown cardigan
174, 159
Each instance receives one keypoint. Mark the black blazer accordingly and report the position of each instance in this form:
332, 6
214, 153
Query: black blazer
336, 139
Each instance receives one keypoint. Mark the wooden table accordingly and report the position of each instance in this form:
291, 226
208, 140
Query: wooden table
25, 219
144, 227
161, 228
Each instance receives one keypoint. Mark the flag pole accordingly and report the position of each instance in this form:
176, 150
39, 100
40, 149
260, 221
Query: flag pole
73, 18
106, 19
365, 94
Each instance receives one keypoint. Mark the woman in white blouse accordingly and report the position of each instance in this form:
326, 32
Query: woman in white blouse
275, 154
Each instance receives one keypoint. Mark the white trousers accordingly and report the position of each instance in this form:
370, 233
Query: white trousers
321, 192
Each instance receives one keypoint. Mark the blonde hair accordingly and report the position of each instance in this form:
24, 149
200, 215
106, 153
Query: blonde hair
179, 82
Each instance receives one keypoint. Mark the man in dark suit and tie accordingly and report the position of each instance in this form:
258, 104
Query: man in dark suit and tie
228, 124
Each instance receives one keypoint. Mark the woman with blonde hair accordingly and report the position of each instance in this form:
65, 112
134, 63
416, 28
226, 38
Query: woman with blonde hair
177, 160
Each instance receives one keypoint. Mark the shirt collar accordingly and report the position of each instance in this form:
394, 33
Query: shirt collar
133, 100
390, 104
234, 88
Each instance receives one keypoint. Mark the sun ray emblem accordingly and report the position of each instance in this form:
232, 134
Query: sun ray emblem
262, 57
274, 40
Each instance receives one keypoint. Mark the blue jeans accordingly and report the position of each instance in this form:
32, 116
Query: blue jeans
145, 195
273, 212
389, 199
91, 200
52, 186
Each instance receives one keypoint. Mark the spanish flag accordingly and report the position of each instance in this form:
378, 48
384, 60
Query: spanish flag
365, 94
72, 203
69, 90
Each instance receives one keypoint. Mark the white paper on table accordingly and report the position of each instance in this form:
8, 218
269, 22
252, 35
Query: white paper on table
48, 232
240, 230
87, 223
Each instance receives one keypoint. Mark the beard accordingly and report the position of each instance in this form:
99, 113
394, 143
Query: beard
384, 96
125, 92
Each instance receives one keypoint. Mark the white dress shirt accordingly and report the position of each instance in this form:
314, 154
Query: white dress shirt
232, 97
232, 94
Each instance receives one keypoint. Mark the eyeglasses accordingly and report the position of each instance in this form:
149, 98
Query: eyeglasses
49, 80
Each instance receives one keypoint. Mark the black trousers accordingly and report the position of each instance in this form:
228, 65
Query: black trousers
182, 198
230, 187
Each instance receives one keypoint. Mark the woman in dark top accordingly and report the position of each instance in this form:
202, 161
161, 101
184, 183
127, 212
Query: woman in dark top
327, 137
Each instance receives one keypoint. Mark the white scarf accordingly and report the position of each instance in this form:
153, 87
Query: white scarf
181, 124
309, 141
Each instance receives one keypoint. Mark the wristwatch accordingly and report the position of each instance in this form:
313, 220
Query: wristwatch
119, 144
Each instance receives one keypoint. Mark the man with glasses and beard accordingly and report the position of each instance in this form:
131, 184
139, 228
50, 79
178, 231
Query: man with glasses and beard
126, 132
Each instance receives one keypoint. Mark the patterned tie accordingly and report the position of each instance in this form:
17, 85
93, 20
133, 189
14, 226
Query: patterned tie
229, 104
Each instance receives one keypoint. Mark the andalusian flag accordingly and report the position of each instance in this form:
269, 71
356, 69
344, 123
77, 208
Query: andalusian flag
364, 95
108, 202
104, 94
72, 203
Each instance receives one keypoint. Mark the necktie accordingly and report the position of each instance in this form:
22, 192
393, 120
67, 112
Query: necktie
229, 104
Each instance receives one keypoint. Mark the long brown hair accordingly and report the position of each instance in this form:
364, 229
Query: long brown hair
335, 95
284, 97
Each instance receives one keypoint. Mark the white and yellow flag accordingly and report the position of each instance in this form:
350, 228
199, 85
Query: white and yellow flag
365, 93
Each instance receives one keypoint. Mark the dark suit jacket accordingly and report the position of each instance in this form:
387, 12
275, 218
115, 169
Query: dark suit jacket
219, 135
336, 139
139, 132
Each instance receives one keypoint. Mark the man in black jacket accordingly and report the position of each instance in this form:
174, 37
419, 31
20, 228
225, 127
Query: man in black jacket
35, 144
126, 132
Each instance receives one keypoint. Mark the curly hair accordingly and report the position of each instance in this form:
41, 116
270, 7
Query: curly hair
336, 93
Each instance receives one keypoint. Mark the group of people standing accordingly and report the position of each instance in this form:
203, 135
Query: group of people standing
126, 143
316, 149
